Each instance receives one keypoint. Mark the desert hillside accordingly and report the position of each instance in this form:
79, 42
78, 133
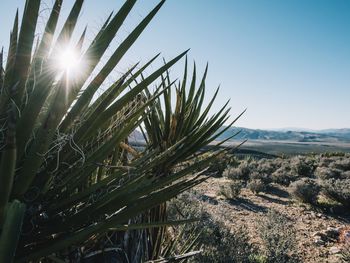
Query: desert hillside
306, 197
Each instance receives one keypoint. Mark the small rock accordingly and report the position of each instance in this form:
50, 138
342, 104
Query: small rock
319, 215
334, 250
318, 241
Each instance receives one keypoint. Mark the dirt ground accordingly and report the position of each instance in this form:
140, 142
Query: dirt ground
247, 210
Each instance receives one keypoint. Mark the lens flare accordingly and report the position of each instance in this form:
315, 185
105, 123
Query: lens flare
68, 60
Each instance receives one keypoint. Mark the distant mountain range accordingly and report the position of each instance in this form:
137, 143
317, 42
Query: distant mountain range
296, 135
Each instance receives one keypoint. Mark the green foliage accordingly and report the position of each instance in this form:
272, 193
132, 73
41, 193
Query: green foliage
65, 155
11, 230
186, 126
278, 236
305, 190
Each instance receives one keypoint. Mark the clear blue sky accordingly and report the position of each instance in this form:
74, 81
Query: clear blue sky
287, 61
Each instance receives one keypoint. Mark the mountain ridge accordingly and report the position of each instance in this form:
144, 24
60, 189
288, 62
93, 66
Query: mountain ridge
326, 135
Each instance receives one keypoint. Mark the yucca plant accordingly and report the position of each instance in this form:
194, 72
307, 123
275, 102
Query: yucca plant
186, 125
67, 174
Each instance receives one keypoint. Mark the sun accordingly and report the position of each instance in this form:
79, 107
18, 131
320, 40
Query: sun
68, 60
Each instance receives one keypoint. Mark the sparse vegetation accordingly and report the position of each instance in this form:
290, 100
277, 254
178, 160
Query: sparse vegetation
278, 236
218, 242
275, 232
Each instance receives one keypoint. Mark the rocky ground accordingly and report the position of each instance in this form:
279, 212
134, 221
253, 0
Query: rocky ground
317, 231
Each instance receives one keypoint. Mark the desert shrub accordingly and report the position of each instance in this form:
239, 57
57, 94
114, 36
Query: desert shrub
241, 172
265, 166
232, 189
325, 161
189, 205
217, 167
278, 236
338, 190
341, 164
228, 171
325, 173
219, 244
257, 186
300, 167
305, 190
259, 175
220, 164
283, 176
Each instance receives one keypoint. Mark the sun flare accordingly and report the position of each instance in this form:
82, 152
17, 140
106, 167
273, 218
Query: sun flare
68, 60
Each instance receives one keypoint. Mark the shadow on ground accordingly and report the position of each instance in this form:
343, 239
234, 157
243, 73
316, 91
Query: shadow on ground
247, 205
273, 190
338, 212
273, 200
